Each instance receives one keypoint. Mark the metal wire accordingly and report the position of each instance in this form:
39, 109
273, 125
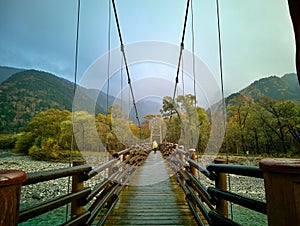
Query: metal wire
222, 87
126, 65
181, 49
193, 51
74, 91
108, 60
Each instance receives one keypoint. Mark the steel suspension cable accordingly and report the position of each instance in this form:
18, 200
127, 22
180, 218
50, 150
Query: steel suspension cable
182, 76
179, 61
193, 51
75, 73
126, 64
74, 91
222, 87
108, 60
121, 81
181, 48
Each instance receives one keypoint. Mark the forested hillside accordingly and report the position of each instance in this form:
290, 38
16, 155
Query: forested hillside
277, 88
29, 92
264, 118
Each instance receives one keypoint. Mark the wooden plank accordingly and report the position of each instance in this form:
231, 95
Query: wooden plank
152, 197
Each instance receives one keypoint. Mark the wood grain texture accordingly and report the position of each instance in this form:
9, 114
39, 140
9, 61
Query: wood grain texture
152, 197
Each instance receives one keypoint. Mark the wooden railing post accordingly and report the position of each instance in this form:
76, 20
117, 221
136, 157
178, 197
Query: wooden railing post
181, 157
193, 170
282, 186
110, 169
77, 185
221, 183
10, 192
192, 154
124, 157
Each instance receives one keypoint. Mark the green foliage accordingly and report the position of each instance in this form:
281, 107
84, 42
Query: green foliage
30, 92
260, 126
50, 151
24, 142
263, 126
186, 123
48, 135
8, 141
35, 152
44, 136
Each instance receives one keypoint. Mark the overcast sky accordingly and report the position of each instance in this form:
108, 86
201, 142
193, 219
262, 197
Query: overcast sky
257, 35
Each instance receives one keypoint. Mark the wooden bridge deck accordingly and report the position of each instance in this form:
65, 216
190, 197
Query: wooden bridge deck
152, 198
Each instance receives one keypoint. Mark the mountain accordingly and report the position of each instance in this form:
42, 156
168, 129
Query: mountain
274, 87
6, 72
29, 92
146, 106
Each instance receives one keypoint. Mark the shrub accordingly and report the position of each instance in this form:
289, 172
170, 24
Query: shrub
8, 141
50, 151
24, 143
34, 152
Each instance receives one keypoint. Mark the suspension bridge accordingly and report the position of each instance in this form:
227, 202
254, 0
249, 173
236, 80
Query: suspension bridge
163, 188
141, 187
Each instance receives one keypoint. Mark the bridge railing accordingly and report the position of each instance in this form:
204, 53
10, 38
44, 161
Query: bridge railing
86, 202
210, 205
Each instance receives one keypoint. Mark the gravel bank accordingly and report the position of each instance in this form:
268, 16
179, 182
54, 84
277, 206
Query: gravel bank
246, 186
44, 190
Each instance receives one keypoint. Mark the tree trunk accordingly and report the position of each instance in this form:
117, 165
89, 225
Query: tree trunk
294, 6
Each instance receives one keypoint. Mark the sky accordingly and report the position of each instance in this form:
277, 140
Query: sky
256, 36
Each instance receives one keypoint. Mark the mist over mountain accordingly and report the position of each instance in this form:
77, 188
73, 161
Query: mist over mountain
6, 72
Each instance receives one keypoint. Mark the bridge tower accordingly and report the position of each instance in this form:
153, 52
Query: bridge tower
155, 131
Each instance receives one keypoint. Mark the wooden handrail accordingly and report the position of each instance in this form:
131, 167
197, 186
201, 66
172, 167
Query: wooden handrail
51, 205
279, 176
252, 204
216, 198
248, 171
102, 167
41, 176
106, 192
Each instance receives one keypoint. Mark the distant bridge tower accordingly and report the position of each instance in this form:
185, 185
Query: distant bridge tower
155, 131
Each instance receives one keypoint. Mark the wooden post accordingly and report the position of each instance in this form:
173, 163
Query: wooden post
77, 185
124, 157
192, 154
282, 186
10, 192
110, 157
221, 183
181, 147
181, 157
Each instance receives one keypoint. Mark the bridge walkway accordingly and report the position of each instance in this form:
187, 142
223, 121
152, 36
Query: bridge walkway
152, 197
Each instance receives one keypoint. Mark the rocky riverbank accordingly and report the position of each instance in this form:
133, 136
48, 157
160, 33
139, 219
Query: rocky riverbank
246, 186
44, 190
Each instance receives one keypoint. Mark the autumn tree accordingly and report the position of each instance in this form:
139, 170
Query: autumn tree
186, 123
